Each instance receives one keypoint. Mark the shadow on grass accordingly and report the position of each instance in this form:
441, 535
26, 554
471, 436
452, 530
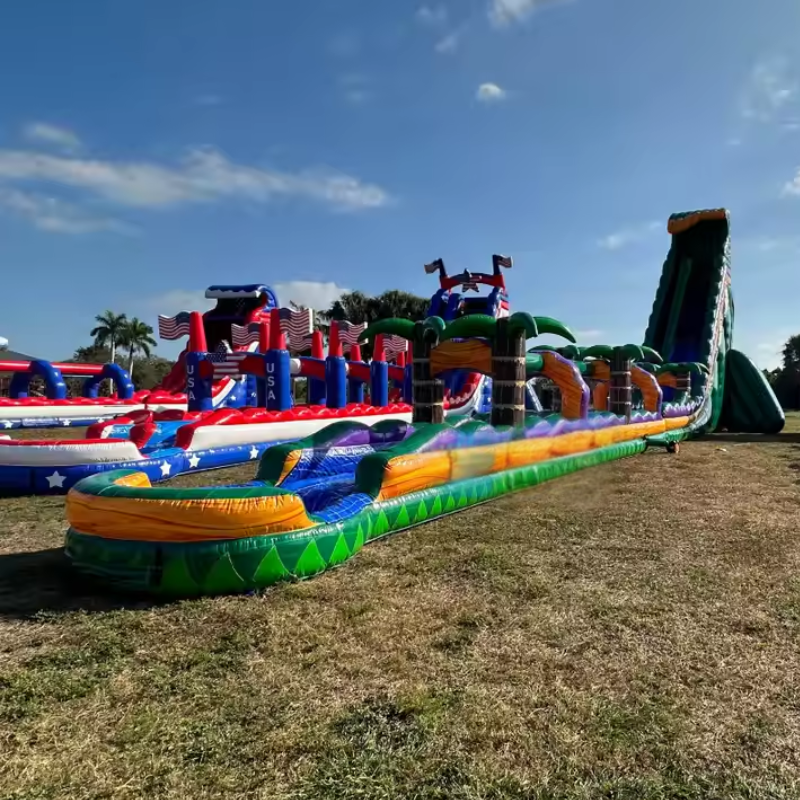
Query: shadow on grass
756, 438
44, 581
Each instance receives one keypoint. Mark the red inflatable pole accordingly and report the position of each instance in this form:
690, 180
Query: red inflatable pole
263, 335
355, 352
277, 341
378, 353
197, 333
317, 345
334, 344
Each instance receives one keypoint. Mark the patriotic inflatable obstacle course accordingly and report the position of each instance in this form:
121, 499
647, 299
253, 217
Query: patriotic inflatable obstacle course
55, 409
237, 307
237, 398
316, 502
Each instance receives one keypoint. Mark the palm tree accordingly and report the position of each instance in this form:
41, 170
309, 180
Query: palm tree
428, 402
108, 331
137, 336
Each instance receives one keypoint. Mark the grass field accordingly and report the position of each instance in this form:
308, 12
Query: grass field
631, 631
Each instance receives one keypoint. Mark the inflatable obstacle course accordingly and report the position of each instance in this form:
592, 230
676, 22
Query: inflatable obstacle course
237, 399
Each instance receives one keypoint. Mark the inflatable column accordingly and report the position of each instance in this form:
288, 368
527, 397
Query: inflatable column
335, 371
316, 386
379, 375
355, 388
408, 376
198, 387
277, 368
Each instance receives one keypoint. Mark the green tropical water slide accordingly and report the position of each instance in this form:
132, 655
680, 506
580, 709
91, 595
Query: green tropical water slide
692, 320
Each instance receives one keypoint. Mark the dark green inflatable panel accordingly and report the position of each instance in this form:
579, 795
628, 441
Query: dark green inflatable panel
750, 405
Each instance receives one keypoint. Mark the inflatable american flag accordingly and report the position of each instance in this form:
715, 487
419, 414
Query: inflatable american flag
171, 328
393, 345
297, 324
349, 333
244, 335
227, 364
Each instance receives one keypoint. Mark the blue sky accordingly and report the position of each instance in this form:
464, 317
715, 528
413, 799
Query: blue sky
150, 149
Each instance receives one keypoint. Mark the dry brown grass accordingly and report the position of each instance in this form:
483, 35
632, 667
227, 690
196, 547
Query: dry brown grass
627, 632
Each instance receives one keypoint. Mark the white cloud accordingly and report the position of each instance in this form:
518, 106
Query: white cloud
448, 44
490, 93
318, 295
346, 44
769, 89
771, 244
793, 186
204, 175
629, 235
356, 88
507, 12
208, 100
769, 354
175, 300
45, 133
56, 216
431, 15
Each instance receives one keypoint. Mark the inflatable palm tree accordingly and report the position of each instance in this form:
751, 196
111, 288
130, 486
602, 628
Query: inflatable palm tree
507, 336
428, 403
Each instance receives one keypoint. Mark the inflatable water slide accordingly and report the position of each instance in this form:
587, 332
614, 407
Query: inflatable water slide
315, 502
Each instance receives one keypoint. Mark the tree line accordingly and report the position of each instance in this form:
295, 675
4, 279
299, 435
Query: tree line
785, 380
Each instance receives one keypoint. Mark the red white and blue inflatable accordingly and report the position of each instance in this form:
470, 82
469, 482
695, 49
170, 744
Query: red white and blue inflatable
229, 395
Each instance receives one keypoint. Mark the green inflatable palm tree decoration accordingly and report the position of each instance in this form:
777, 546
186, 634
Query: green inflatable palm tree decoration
428, 401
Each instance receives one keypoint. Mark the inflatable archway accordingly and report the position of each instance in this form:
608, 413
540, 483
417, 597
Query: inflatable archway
123, 385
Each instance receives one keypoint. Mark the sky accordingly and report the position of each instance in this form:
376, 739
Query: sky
151, 149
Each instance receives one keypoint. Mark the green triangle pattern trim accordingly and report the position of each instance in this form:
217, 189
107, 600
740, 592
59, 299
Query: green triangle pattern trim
291, 551
271, 569
200, 564
350, 539
311, 562
340, 553
422, 512
436, 508
450, 505
176, 578
381, 525
223, 578
402, 520
326, 544
247, 562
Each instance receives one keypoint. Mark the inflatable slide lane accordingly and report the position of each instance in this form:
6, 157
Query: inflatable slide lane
692, 321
